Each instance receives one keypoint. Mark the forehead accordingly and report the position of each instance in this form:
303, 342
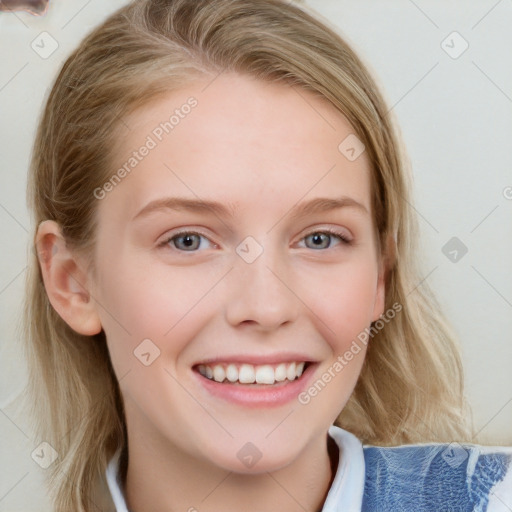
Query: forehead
236, 139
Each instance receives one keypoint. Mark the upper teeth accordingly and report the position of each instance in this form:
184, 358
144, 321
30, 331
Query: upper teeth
248, 373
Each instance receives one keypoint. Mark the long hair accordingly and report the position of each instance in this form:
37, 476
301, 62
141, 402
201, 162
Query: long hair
411, 385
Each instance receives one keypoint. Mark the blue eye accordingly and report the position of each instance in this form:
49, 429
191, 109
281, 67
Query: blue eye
188, 241
323, 239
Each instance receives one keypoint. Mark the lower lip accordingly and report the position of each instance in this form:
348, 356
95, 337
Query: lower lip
262, 395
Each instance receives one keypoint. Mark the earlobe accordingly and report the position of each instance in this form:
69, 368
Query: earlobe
65, 281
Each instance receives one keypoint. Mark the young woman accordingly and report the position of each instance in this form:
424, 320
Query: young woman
222, 311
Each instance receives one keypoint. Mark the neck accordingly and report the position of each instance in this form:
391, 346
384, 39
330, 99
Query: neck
177, 481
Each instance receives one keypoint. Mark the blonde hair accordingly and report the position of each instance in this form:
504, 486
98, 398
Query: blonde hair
411, 385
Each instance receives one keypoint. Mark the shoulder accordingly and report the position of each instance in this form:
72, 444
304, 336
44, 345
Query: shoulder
437, 476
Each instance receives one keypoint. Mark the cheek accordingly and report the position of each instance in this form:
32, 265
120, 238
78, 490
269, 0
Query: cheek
342, 298
156, 303
342, 301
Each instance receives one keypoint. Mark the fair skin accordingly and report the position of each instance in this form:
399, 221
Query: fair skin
263, 149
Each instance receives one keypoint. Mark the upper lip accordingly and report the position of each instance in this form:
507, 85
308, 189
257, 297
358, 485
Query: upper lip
257, 359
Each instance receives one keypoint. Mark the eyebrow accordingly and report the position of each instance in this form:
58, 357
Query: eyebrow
318, 205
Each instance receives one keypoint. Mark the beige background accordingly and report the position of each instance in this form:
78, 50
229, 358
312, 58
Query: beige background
456, 117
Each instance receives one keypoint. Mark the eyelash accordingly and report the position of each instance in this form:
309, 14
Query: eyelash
343, 238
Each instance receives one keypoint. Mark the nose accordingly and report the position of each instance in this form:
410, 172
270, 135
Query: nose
260, 293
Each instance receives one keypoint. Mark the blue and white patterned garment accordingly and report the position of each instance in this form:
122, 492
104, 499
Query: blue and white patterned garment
432, 477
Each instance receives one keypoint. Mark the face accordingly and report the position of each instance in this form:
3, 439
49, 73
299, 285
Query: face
210, 262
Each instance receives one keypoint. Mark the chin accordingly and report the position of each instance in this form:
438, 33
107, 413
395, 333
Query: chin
249, 460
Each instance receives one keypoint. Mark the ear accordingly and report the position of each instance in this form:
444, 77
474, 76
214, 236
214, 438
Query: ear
386, 262
65, 281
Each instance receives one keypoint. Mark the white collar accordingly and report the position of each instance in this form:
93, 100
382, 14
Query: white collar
346, 492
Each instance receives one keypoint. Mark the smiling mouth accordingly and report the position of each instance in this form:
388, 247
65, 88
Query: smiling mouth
247, 374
